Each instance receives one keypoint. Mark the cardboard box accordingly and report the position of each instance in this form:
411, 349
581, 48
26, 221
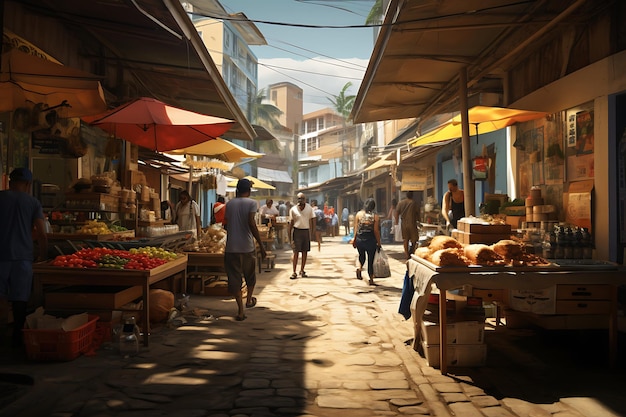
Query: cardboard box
486, 238
534, 301
515, 221
89, 297
463, 332
474, 226
579, 201
458, 355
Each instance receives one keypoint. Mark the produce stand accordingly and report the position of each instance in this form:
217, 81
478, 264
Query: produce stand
46, 274
573, 280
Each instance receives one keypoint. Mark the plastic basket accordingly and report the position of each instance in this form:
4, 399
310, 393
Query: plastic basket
59, 345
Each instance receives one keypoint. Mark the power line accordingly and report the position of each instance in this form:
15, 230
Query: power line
313, 52
310, 72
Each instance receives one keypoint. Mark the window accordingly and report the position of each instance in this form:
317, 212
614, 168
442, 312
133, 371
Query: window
320, 123
313, 175
227, 40
302, 145
313, 144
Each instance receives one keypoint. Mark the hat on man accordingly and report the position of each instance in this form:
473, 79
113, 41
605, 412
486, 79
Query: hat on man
21, 174
244, 185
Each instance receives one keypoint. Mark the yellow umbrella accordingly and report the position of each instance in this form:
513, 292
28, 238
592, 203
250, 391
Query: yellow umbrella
256, 183
219, 149
485, 119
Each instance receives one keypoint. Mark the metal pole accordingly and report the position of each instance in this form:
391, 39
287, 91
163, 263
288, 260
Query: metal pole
468, 183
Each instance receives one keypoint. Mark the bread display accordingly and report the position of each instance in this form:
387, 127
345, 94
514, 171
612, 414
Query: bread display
480, 254
449, 257
508, 249
423, 252
444, 242
446, 251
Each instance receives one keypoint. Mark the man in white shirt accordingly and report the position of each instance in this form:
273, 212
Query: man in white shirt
302, 221
268, 212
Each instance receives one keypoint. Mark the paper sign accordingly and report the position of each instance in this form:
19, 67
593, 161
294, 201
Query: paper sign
414, 180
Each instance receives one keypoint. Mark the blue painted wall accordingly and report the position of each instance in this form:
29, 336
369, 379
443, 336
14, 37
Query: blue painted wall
449, 167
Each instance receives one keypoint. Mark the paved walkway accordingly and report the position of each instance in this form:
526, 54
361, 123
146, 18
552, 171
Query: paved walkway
326, 345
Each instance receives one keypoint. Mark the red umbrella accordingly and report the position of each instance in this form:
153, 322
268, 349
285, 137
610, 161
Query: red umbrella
155, 125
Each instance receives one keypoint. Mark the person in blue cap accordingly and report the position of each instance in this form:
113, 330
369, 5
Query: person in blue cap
240, 252
20, 216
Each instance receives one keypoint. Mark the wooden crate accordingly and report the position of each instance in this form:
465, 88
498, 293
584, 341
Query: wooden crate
92, 201
89, 297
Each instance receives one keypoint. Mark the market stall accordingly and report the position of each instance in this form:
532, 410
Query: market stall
58, 273
580, 298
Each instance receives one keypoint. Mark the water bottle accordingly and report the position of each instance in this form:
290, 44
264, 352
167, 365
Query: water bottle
129, 338
47, 227
587, 244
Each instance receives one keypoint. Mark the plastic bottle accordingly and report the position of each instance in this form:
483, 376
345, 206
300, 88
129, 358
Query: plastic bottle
587, 244
559, 251
548, 245
47, 227
129, 338
577, 246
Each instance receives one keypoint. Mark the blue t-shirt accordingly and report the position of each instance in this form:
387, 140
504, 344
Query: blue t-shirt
18, 212
239, 238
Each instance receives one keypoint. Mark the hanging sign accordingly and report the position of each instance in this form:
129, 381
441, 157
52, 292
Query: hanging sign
480, 168
414, 180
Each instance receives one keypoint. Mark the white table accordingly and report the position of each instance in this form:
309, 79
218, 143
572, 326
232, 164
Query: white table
425, 274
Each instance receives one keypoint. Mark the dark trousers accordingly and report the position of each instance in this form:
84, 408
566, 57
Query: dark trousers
367, 246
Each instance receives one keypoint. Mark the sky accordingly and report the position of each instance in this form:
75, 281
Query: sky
319, 60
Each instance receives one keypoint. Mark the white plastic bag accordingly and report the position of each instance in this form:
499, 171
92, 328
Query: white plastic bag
397, 232
381, 264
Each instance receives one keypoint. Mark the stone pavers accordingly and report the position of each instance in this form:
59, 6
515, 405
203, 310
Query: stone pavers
322, 346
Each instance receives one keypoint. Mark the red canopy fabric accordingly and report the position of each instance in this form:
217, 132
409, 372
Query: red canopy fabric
155, 125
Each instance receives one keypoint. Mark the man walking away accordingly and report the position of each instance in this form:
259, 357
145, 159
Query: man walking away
345, 220
408, 211
20, 215
302, 222
240, 254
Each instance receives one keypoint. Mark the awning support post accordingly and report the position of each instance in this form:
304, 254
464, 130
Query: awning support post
468, 184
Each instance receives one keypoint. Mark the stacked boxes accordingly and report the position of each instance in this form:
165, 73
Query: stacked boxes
538, 212
465, 333
473, 230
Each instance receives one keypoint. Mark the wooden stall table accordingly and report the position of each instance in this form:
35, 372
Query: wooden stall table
46, 274
281, 228
204, 266
425, 274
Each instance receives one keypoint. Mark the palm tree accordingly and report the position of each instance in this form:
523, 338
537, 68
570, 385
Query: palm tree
376, 13
343, 106
265, 114
343, 103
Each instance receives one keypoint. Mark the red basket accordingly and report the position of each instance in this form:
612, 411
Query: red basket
59, 345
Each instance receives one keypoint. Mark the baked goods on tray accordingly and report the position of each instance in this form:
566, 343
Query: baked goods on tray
443, 242
449, 257
479, 254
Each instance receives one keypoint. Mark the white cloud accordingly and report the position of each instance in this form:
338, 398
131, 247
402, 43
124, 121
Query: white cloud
320, 78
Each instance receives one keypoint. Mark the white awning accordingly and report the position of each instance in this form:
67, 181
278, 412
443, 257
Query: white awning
266, 174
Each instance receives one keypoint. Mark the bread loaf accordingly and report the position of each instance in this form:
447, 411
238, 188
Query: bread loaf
444, 242
508, 249
449, 257
479, 254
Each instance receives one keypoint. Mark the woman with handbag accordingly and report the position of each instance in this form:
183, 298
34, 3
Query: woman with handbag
367, 237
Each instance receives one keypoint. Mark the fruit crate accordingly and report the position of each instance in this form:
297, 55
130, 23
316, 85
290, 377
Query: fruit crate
59, 345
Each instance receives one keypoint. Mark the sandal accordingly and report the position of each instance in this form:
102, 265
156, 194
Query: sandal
251, 303
358, 274
294, 276
303, 274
